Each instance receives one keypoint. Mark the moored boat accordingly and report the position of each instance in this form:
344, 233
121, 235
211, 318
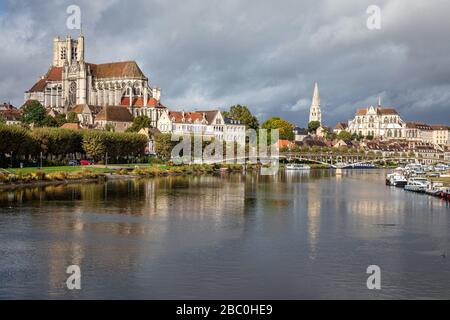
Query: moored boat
361, 166
417, 184
296, 166
398, 180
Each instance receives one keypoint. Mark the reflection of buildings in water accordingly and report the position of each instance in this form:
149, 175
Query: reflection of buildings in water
61, 255
196, 197
314, 207
122, 222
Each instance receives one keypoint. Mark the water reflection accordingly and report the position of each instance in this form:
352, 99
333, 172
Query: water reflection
294, 235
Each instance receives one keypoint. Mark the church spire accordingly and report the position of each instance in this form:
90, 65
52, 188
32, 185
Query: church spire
316, 96
314, 112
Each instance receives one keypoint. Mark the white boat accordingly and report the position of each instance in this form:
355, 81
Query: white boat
398, 180
441, 167
435, 188
295, 166
417, 184
397, 175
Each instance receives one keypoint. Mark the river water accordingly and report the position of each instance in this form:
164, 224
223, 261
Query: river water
291, 236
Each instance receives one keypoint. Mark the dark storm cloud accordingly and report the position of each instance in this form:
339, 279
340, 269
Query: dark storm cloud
265, 54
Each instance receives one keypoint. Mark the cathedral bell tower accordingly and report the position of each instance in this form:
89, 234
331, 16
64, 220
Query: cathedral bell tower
68, 54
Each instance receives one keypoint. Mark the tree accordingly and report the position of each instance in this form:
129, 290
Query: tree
286, 129
2, 119
49, 121
72, 117
16, 140
60, 119
164, 146
94, 144
345, 135
139, 123
34, 112
58, 141
313, 126
243, 114
110, 127
331, 135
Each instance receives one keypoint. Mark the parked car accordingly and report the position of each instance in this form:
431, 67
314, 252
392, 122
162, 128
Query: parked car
73, 163
86, 163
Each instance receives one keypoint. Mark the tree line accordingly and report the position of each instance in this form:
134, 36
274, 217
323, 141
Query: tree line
26, 144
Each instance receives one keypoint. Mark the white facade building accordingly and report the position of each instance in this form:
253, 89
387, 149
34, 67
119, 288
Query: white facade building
206, 123
377, 122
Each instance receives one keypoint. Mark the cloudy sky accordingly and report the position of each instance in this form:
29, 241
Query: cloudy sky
264, 54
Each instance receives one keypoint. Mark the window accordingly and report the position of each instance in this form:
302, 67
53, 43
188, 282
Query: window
63, 53
74, 54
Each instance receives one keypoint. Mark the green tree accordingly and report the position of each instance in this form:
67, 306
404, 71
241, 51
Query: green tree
243, 114
57, 141
72, 117
49, 121
345, 135
139, 123
94, 144
286, 129
17, 140
313, 126
60, 119
331, 135
164, 146
34, 112
2, 119
110, 127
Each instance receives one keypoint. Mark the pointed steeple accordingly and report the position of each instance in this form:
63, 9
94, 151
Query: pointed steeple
316, 96
314, 112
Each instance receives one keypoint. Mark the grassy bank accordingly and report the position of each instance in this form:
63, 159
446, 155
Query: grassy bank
29, 176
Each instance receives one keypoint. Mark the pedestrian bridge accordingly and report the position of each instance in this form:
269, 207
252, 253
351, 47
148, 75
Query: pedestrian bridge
342, 160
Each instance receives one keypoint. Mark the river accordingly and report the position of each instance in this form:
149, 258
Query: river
290, 236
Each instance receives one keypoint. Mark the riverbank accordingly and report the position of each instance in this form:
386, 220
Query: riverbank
65, 175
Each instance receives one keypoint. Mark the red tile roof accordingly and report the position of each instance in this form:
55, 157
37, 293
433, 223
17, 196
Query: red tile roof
379, 110
116, 113
418, 125
387, 111
186, 117
39, 86
79, 108
139, 102
126, 69
439, 127
54, 74
11, 114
